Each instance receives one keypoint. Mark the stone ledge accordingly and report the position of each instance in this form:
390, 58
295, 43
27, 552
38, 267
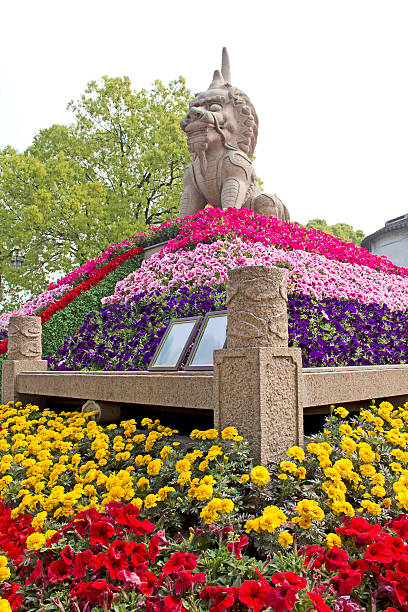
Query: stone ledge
179, 390
321, 386
325, 386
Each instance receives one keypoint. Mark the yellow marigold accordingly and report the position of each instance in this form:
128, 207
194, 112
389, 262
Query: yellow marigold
184, 478
4, 605
35, 541
378, 491
183, 465
295, 452
377, 479
143, 484
371, 507
285, 539
154, 467
150, 501
332, 539
300, 473
367, 470
283, 476
386, 503
396, 467
341, 412
348, 445
229, 433
165, 452
203, 465
260, 475
164, 492
244, 478
366, 452
38, 521
288, 466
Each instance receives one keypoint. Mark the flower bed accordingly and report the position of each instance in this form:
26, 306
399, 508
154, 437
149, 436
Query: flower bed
128, 517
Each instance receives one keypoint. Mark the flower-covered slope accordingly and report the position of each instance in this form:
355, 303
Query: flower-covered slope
346, 306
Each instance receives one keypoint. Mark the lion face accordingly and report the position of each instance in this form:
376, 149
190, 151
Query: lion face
220, 115
210, 120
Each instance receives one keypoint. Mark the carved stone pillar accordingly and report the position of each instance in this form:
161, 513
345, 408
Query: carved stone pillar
24, 354
257, 379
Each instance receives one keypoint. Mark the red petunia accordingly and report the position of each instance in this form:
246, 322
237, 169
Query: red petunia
100, 533
378, 552
58, 571
185, 579
283, 598
139, 528
238, 545
37, 571
81, 562
335, 558
180, 560
319, 603
254, 594
157, 543
346, 580
291, 578
313, 555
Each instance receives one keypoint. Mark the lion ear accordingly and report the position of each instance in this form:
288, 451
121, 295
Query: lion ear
217, 81
225, 66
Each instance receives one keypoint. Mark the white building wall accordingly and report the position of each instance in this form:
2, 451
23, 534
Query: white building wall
393, 244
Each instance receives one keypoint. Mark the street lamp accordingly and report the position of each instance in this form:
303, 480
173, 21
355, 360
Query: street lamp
17, 258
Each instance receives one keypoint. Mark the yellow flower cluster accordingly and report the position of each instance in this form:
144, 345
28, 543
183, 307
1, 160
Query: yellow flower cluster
272, 518
309, 510
210, 513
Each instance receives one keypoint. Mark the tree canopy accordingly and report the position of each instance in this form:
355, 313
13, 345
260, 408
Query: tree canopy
114, 171
340, 230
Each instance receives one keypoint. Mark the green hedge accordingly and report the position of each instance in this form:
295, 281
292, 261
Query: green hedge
66, 322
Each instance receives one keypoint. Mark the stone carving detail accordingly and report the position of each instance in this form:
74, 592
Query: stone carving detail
24, 338
257, 307
222, 129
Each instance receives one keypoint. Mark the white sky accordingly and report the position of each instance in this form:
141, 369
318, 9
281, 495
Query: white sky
327, 78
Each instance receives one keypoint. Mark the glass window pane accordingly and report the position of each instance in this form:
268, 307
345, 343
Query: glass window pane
212, 338
174, 344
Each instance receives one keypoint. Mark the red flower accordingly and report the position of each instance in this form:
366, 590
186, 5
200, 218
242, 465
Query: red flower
313, 555
81, 562
400, 526
36, 573
346, 580
180, 560
335, 558
283, 598
58, 571
223, 598
139, 528
378, 552
157, 543
137, 551
254, 594
290, 578
97, 593
186, 579
318, 603
238, 546
100, 533
363, 532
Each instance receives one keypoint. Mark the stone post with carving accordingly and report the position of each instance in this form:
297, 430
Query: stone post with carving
24, 354
257, 379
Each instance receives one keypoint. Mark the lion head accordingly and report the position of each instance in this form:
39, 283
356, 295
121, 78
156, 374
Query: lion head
222, 113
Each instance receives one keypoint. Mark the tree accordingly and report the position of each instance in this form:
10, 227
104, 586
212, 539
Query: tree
340, 230
114, 171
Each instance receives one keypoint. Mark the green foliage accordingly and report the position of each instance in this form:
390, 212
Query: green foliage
66, 322
114, 172
340, 230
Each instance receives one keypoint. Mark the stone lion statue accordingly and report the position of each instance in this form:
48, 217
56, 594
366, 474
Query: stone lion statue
222, 128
